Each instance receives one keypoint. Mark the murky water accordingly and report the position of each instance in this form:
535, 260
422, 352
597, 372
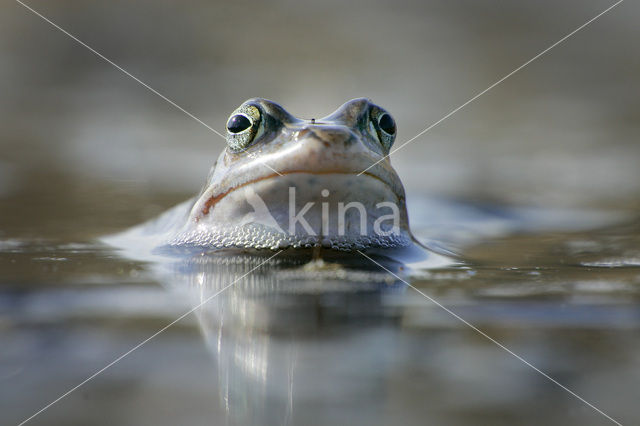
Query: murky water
290, 344
536, 185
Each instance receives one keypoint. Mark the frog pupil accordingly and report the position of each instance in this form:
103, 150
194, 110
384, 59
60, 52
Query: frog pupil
387, 124
238, 123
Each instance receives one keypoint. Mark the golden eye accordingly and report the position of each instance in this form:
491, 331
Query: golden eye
242, 127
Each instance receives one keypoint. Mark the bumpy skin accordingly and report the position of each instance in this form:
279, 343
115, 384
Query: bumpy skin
319, 160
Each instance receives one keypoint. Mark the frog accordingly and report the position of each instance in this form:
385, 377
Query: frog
284, 182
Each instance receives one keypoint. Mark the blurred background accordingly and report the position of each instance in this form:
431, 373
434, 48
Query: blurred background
78, 134
85, 150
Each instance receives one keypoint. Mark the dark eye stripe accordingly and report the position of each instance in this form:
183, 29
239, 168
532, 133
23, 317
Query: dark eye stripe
238, 123
387, 124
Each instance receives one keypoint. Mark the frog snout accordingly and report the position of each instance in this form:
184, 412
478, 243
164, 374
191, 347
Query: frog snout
329, 136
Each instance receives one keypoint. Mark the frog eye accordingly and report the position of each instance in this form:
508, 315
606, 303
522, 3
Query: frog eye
238, 123
384, 125
242, 127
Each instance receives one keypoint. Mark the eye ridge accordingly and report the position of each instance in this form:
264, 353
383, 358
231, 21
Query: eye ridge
238, 123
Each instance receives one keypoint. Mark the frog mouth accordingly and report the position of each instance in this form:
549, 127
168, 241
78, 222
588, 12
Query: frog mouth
204, 207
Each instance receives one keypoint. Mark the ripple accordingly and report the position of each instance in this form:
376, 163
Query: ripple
614, 263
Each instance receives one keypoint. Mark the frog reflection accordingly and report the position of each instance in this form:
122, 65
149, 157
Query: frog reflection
274, 333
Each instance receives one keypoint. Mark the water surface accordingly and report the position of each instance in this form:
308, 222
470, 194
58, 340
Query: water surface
290, 344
